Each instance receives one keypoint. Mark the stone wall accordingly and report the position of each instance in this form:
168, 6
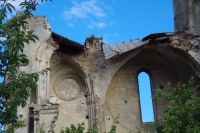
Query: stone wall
39, 55
122, 96
86, 87
67, 86
187, 16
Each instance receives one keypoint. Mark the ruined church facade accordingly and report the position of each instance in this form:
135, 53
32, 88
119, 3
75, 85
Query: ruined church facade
94, 82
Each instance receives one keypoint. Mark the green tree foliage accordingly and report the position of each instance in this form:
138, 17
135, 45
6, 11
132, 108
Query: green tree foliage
14, 90
183, 112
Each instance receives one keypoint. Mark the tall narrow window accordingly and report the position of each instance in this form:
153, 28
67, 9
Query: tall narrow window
33, 96
146, 104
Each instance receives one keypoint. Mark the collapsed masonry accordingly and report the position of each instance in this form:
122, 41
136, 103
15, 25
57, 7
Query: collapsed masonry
95, 82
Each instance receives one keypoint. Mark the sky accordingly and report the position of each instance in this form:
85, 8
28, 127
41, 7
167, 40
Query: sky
115, 20
146, 102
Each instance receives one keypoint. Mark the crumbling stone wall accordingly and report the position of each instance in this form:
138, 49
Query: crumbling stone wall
86, 87
122, 96
113, 82
39, 54
68, 88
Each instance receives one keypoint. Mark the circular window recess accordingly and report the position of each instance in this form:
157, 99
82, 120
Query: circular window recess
68, 86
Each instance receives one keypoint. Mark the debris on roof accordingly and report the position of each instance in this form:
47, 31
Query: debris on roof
110, 50
158, 36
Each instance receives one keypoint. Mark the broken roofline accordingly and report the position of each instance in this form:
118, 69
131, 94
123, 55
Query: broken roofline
110, 50
67, 45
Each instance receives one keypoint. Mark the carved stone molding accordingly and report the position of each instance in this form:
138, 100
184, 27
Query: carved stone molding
68, 86
44, 113
37, 118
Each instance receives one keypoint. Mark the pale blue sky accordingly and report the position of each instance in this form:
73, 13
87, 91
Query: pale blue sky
115, 20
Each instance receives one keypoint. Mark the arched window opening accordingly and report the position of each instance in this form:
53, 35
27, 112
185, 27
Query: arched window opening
146, 103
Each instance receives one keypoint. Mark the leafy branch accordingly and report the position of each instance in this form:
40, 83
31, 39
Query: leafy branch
15, 88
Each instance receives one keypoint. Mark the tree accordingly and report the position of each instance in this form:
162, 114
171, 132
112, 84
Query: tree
183, 112
14, 90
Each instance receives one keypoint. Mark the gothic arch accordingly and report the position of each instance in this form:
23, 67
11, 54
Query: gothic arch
69, 62
69, 86
181, 55
122, 92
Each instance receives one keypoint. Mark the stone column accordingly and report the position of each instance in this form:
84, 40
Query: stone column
187, 16
180, 15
